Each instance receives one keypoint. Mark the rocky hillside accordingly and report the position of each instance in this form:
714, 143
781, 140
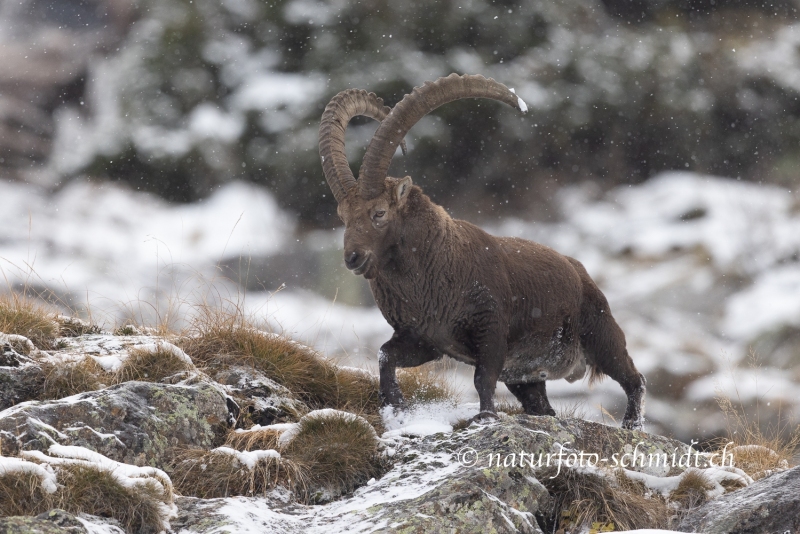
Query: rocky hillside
228, 428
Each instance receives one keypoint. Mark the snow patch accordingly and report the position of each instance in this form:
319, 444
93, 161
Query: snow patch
425, 419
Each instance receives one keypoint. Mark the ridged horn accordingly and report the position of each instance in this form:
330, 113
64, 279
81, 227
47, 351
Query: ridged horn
414, 106
343, 107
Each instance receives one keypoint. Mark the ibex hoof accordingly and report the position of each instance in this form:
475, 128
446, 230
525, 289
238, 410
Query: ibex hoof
633, 424
484, 417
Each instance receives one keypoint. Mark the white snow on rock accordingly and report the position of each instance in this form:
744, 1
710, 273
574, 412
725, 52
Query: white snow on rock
771, 302
16, 339
426, 418
742, 227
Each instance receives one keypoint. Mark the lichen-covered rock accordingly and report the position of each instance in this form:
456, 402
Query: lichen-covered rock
57, 522
36, 525
266, 401
18, 382
275, 512
134, 422
771, 504
470, 480
470, 503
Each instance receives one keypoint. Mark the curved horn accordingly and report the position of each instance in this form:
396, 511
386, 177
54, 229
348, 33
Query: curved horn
414, 106
343, 107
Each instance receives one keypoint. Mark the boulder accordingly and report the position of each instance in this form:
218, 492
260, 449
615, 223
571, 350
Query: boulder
133, 422
771, 504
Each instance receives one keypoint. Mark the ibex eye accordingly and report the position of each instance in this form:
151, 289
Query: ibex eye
379, 214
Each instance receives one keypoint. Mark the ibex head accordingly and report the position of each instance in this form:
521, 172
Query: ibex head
372, 207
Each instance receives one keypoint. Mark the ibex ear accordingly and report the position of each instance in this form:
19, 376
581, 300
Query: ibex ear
402, 189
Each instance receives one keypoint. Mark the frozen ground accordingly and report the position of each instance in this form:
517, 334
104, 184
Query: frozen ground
698, 270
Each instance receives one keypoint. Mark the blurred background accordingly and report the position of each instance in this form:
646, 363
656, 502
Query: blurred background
155, 154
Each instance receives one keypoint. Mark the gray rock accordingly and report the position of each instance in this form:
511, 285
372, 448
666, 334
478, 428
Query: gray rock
55, 522
18, 383
428, 490
135, 422
770, 505
35, 525
266, 401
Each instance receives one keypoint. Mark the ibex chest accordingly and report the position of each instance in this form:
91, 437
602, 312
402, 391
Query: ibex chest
444, 316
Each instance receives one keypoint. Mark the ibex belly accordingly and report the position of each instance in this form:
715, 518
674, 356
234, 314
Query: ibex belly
534, 360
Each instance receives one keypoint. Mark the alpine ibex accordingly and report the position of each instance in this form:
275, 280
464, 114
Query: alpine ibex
518, 311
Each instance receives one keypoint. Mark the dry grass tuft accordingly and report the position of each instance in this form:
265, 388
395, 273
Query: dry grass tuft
254, 440
22, 494
585, 499
75, 327
217, 337
66, 379
425, 384
92, 491
574, 410
87, 490
340, 451
150, 365
212, 474
692, 490
757, 450
509, 407
23, 316
328, 456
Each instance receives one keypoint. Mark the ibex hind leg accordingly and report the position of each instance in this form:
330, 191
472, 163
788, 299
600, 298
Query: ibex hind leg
605, 350
533, 397
404, 350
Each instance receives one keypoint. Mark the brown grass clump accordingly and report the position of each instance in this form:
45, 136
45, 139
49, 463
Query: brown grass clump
575, 410
254, 440
75, 327
26, 317
22, 494
217, 337
591, 500
692, 490
92, 491
212, 474
150, 365
339, 450
66, 379
329, 454
509, 406
84, 489
757, 451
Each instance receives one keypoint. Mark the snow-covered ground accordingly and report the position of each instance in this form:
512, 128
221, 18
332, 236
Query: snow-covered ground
698, 270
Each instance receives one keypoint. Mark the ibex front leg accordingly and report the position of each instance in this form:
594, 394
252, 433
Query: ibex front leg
488, 365
405, 349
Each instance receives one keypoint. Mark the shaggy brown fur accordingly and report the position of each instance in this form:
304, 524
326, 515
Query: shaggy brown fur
518, 311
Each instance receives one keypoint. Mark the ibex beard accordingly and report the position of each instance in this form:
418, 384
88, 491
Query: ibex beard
518, 311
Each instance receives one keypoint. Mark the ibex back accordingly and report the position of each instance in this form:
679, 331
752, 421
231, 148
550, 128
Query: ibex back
518, 311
